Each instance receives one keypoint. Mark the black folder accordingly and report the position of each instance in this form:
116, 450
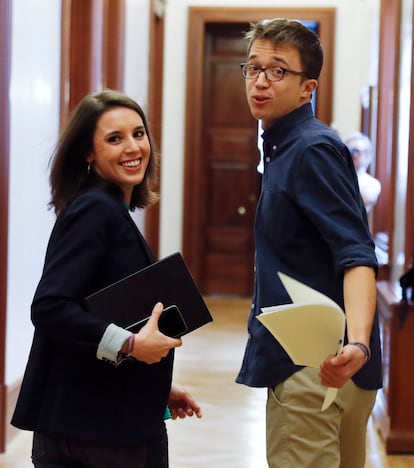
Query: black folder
129, 302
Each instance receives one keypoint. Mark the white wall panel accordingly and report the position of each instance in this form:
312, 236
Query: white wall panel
34, 120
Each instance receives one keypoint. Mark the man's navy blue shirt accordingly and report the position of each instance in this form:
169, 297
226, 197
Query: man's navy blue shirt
311, 224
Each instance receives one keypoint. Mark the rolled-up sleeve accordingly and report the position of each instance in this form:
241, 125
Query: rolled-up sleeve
327, 190
111, 343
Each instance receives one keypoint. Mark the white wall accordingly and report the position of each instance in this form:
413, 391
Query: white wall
356, 29
137, 50
34, 120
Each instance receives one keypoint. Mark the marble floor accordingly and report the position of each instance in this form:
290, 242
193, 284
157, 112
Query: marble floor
231, 433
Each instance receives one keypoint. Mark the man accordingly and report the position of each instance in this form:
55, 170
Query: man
311, 225
360, 147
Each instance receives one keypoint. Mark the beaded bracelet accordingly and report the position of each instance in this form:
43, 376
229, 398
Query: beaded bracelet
363, 348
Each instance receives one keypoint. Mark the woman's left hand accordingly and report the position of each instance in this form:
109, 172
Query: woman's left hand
182, 404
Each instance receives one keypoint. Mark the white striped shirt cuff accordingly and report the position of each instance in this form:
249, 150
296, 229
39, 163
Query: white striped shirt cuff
111, 343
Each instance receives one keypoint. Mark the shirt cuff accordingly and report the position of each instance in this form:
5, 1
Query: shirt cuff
111, 343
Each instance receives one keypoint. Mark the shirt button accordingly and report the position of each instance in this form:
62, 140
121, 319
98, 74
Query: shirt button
267, 159
274, 147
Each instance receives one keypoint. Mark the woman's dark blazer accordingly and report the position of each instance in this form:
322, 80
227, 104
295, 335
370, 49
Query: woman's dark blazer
66, 389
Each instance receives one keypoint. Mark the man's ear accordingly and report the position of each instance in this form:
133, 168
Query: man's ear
309, 87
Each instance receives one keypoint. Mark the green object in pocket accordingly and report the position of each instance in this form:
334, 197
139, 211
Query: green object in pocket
167, 414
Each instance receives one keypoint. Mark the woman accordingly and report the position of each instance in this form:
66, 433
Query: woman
87, 405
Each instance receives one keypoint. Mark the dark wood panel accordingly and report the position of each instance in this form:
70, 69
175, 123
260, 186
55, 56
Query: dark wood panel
227, 274
230, 156
394, 411
81, 59
85, 49
155, 95
386, 138
224, 88
232, 199
227, 239
92, 49
226, 42
230, 144
113, 44
409, 229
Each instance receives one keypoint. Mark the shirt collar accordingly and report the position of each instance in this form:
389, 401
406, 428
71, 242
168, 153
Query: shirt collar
293, 119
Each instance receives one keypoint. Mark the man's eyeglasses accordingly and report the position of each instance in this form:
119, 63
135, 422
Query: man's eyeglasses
252, 72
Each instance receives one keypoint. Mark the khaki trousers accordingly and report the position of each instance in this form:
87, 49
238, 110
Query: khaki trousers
300, 435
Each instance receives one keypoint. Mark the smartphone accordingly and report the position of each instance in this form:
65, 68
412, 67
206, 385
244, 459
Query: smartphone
171, 323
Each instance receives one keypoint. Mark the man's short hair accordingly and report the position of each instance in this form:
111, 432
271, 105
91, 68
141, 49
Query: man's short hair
284, 31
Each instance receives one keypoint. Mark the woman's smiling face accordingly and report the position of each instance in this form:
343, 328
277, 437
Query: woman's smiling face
121, 149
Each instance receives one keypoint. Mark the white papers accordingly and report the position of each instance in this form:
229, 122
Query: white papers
309, 330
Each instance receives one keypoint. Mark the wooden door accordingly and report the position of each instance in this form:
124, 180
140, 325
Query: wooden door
230, 181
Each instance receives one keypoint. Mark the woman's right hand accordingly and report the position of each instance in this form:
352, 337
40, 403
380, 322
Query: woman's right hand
150, 345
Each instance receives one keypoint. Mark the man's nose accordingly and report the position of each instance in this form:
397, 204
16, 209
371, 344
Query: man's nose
262, 80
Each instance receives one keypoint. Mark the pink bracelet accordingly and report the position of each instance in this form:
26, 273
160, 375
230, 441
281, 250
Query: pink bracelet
131, 342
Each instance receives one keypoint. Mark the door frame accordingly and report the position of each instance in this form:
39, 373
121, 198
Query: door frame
409, 229
199, 17
97, 30
387, 125
155, 96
